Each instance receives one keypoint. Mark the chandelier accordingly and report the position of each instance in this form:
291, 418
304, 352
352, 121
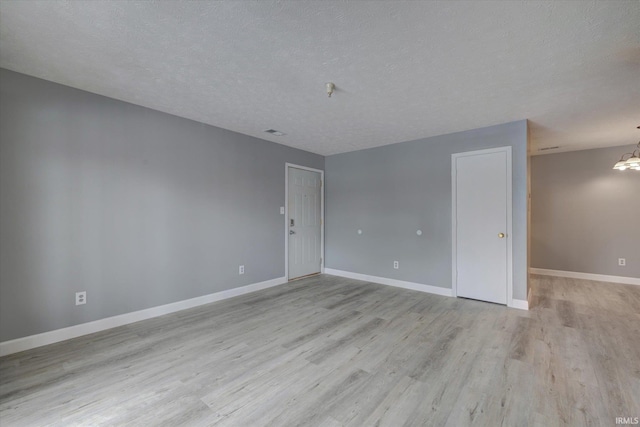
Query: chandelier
632, 162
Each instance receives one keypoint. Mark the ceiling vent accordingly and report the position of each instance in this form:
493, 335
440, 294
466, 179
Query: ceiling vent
274, 132
549, 148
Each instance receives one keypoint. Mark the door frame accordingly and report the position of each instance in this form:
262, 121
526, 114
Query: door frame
286, 215
509, 231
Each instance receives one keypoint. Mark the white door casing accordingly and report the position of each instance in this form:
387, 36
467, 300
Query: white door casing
481, 214
304, 228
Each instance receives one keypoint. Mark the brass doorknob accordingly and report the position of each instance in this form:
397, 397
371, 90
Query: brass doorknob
501, 235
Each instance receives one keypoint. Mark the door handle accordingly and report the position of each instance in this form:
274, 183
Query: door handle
501, 235
291, 232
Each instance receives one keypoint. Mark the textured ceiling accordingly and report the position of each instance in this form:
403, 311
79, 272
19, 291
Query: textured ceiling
403, 70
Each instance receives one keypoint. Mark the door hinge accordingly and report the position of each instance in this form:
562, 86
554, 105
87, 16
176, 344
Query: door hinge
320, 221
320, 260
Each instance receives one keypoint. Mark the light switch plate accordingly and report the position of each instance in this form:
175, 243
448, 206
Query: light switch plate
281, 210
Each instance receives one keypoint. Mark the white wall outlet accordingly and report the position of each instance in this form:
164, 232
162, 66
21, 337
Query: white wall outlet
241, 269
81, 298
622, 262
396, 265
281, 210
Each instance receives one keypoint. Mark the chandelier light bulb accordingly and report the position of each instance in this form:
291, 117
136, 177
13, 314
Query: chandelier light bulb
633, 161
621, 165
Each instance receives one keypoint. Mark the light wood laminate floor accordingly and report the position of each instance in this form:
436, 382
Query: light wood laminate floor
338, 352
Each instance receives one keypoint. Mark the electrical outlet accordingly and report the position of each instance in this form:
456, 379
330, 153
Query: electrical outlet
396, 265
81, 298
241, 269
622, 262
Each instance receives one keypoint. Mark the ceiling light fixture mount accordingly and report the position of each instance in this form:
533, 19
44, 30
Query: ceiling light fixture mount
330, 89
631, 162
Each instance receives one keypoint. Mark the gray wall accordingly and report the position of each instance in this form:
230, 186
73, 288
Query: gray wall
137, 207
390, 192
585, 215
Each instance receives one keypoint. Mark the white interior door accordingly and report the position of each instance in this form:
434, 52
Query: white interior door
482, 197
304, 222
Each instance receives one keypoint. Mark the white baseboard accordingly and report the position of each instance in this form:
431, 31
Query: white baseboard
391, 282
33, 341
519, 304
516, 303
586, 276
